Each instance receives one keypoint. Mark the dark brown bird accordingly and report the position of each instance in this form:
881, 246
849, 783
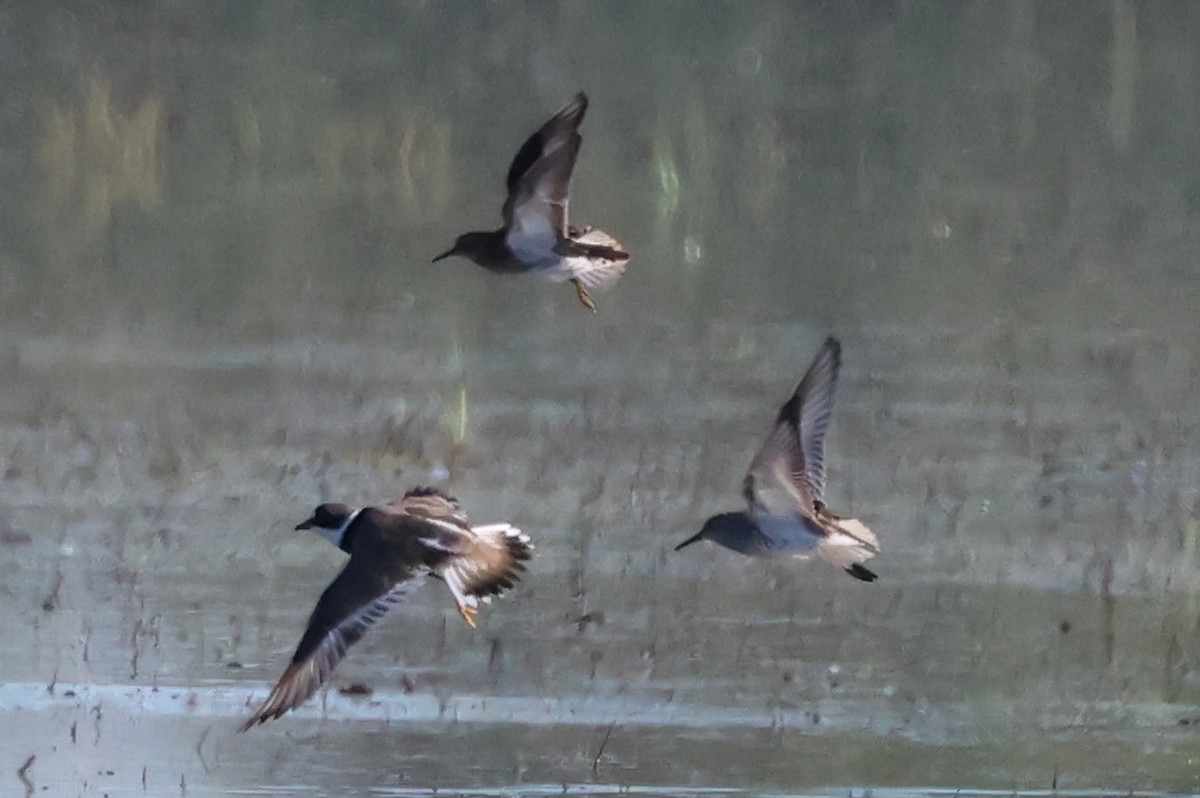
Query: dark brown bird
392, 548
537, 237
783, 488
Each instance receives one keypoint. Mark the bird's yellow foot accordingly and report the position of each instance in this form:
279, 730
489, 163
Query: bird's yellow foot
467, 613
585, 298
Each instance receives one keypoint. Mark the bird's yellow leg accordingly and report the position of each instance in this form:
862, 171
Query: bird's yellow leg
585, 298
467, 613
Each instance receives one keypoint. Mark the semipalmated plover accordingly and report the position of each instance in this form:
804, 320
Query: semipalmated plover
391, 549
783, 487
536, 237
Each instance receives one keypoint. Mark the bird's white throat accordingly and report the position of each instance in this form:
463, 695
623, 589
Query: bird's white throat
335, 536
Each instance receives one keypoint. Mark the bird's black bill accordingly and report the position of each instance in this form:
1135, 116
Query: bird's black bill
858, 572
306, 524
690, 541
444, 255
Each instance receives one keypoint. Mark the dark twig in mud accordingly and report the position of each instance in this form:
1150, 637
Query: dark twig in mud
133, 643
1110, 605
98, 714
603, 743
50, 603
23, 774
200, 750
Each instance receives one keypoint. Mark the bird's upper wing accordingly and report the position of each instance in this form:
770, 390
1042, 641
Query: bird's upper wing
432, 505
539, 185
559, 129
788, 473
358, 597
535, 213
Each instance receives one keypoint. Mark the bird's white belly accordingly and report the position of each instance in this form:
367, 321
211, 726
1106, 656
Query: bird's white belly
787, 535
532, 241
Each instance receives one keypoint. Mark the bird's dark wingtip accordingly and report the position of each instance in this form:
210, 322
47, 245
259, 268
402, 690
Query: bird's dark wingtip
860, 573
257, 719
572, 113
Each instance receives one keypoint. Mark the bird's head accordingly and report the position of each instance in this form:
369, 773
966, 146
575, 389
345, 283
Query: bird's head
467, 245
330, 521
727, 529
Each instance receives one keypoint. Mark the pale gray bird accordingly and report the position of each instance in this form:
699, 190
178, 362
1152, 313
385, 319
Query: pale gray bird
785, 514
391, 549
536, 237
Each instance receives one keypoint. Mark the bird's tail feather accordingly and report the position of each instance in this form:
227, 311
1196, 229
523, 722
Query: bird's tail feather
477, 577
597, 261
850, 546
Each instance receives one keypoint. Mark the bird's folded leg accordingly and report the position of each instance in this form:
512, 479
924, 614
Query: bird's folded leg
585, 298
468, 614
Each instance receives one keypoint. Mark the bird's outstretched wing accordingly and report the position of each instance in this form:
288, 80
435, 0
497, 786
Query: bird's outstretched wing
358, 597
539, 186
558, 130
535, 214
788, 473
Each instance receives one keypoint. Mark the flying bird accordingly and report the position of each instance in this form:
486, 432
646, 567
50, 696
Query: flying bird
392, 548
537, 237
785, 511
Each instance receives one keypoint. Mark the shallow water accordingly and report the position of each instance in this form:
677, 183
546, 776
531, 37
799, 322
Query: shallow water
218, 311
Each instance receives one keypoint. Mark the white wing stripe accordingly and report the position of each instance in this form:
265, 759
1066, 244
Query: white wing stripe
335, 643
